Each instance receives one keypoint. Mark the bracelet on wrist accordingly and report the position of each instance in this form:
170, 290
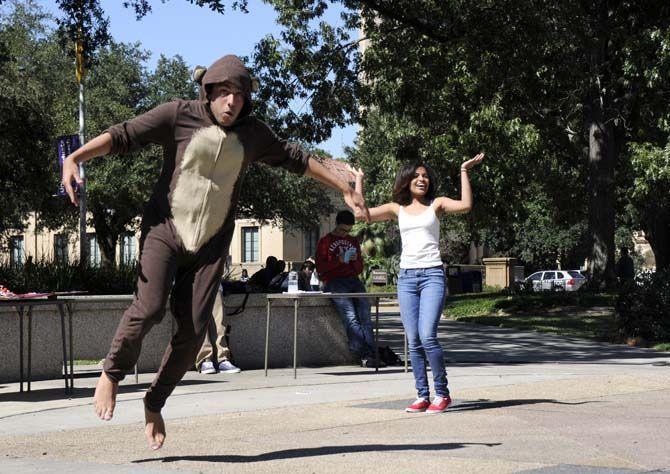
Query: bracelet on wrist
464, 169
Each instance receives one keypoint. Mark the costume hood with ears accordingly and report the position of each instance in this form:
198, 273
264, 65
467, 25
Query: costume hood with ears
227, 69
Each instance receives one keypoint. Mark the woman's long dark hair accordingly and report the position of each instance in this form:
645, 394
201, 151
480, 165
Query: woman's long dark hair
401, 193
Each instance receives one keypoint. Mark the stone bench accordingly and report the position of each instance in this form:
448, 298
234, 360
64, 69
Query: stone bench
95, 318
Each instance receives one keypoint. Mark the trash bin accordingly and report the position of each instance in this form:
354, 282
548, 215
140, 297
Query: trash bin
466, 281
454, 281
476, 282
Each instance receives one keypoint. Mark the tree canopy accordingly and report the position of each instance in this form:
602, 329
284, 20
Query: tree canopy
568, 99
41, 104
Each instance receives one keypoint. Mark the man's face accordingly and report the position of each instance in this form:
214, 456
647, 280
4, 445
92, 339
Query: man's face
226, 103
343, 229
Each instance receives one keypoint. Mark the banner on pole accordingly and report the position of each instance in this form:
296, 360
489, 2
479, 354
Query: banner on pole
80, 68
65, 146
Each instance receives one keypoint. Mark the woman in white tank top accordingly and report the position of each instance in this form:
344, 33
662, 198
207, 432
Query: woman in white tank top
421, 285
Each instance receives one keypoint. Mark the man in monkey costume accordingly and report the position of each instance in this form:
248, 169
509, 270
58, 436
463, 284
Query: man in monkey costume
208, 144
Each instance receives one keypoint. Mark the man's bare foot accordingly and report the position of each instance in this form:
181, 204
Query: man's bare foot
154, 429
104, 399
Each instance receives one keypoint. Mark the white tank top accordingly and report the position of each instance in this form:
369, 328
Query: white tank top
420, 237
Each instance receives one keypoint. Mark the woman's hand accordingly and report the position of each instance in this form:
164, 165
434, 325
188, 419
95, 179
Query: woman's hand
358, 189
467, 165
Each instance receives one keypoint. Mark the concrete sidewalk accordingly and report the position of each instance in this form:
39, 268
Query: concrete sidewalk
524, 402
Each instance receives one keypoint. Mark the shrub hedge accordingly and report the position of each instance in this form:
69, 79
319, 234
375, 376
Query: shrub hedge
643, 307
43, 276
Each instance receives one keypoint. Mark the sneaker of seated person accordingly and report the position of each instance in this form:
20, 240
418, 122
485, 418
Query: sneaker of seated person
439, 405
419, 405
207, 367
227, 367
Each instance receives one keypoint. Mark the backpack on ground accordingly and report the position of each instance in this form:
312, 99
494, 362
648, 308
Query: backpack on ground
387, 355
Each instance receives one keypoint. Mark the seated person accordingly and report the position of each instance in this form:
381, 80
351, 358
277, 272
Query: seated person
305, 276
260, 280
314, 282
279, 281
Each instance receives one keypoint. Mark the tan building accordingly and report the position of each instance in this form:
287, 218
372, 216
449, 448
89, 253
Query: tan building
252, 243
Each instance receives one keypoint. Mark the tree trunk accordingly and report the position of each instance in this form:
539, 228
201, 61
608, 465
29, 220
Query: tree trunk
602, 155
107, 240
108, 249
656, 227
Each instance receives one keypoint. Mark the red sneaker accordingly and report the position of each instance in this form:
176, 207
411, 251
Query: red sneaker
439, 405
419, 405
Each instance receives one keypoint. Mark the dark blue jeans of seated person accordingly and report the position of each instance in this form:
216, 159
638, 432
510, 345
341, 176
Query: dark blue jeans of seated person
355, 314
421, 294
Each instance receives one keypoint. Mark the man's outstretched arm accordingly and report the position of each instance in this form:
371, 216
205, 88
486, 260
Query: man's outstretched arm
353, 198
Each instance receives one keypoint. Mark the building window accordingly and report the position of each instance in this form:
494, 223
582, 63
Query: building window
128, 253
61, 245
311, 238
17, 251
250, 244
93, 250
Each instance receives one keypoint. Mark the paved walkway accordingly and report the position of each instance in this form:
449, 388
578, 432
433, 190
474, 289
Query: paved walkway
524, 402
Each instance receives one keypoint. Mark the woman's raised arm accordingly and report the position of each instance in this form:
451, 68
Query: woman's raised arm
453, 206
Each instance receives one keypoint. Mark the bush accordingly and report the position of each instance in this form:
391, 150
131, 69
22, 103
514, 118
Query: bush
44, 276
643, 307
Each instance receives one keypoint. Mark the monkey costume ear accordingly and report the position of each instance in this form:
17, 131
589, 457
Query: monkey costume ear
255, 84
199, 73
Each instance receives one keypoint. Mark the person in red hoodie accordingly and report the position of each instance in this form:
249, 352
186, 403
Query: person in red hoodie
339, 263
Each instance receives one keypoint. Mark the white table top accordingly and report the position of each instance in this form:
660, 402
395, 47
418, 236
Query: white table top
319, 294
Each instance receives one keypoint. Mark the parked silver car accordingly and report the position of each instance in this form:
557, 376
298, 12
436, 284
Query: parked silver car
565, 280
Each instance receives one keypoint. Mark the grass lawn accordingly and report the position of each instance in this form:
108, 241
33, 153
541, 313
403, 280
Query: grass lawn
585, 315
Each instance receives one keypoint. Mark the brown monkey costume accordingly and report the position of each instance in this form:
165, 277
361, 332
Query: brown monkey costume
189, 221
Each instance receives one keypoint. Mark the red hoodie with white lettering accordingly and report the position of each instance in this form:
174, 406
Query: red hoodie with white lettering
338, 257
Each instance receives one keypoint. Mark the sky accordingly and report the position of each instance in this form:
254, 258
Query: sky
201, 36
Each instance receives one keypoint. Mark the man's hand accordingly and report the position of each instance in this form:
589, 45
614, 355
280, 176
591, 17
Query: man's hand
356, 202
70, 174
99, 146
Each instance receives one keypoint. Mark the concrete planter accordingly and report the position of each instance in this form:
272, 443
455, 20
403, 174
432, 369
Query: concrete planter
321, 337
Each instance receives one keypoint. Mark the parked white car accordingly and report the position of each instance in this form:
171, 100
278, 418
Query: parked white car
564, 280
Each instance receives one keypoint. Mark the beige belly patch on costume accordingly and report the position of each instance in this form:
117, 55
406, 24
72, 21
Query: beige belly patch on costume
202, 196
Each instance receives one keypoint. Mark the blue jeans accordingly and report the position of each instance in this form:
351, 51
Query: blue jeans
355, 314
421, 294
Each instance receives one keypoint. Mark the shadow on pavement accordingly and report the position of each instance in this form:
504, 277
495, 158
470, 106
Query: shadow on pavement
58, 393
485, 404
467, 405
382, 370
321, 451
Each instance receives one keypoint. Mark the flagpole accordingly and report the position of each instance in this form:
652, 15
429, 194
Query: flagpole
81, 73
83, 247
